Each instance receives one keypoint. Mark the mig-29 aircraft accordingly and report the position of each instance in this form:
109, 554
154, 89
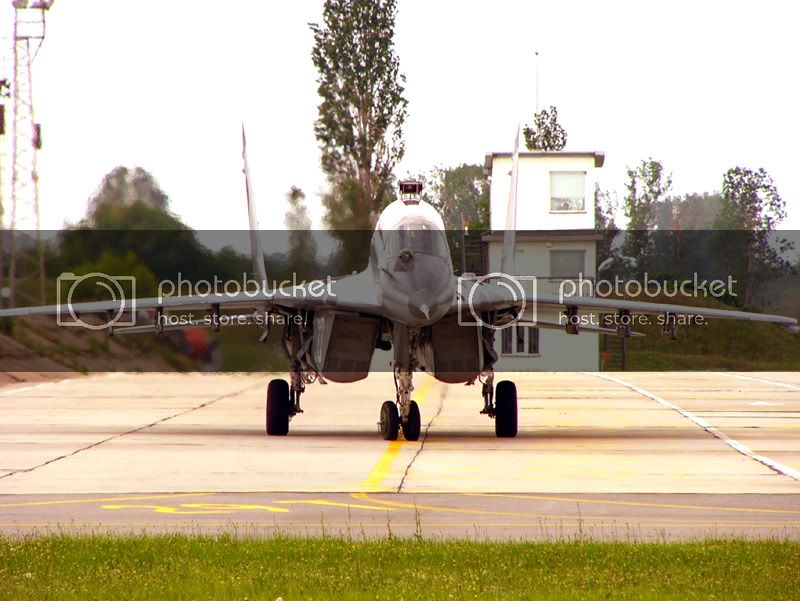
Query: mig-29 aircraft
407, 300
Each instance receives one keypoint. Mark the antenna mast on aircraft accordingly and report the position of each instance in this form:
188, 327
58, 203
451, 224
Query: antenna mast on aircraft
536, 53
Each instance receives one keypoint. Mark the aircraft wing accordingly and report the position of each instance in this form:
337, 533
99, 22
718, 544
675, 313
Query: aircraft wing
488, 296
356, 293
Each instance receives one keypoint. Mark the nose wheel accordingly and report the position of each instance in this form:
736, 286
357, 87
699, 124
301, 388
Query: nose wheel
402, 413
390, 421
413, 424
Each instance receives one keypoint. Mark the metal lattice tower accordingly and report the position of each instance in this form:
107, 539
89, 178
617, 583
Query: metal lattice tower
29, 33
6, 76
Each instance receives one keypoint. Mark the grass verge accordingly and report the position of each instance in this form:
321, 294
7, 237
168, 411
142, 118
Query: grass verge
226, 567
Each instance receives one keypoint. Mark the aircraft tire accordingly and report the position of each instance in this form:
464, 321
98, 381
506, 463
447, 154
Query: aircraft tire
277, 408
390, 421
505, 409
413, 426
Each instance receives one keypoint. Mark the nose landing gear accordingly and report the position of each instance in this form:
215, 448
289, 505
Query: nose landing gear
403, 413
413, 423
389, 423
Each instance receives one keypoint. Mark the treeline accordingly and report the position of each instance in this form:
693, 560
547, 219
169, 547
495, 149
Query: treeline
129, 231
728, 233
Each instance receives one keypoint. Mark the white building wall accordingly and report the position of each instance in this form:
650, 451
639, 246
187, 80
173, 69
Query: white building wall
533, 192
558, 351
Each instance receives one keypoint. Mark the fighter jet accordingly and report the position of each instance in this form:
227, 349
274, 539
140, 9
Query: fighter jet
407, 300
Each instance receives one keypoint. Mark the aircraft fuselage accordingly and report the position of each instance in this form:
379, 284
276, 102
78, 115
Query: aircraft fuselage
411, 264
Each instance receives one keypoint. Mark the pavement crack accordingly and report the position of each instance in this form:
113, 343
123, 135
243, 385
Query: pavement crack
424, 439
127, 432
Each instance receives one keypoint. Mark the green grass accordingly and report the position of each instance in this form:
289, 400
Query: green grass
241, 350
718, 344
226, 567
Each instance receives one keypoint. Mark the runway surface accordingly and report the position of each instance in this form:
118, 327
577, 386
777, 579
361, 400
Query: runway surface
625, 455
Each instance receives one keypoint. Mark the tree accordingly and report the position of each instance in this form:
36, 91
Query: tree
302, 252
690, 212
129, 213
751, 209
108, 262
361, 116
458, 192
605, 206
546, 133
122, 187
648, 185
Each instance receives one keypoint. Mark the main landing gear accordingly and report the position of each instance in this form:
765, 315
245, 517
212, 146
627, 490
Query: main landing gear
499, 403
502, 405
402, 413
283, 403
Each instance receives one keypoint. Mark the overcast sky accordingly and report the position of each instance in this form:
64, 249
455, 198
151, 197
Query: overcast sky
165, 85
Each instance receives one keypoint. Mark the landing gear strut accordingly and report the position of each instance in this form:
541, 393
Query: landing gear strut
403, 413
502, 405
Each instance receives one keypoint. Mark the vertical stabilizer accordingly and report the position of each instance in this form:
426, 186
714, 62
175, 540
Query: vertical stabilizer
257, 251
510, 236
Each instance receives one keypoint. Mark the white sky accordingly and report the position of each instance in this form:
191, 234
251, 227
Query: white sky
165, 85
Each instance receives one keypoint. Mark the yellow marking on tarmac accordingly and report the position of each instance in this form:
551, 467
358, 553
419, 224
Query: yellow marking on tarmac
374, 481
573, 521
200, 508
235, 506
335, 504
634, 503
378, 474
366, 497
104, 499
162, 509
362, 496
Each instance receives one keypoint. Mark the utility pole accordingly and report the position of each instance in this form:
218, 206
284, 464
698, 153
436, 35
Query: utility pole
6, 75
5, 93
29, 33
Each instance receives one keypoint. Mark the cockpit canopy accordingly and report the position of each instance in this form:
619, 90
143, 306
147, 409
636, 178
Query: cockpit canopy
417, 227
417, 235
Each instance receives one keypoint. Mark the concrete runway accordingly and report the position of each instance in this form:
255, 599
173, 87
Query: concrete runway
626, 455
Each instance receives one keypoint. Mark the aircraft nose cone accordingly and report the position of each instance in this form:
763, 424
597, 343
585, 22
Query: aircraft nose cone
420, 304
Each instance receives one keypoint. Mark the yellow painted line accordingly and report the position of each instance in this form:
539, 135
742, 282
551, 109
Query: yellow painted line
236, 507
163, 509
201, 508
374, 481
335, 504
538, 524
366, 497
362, 496
104, 499
634, 503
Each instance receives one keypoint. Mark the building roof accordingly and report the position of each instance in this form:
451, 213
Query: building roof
599, 157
